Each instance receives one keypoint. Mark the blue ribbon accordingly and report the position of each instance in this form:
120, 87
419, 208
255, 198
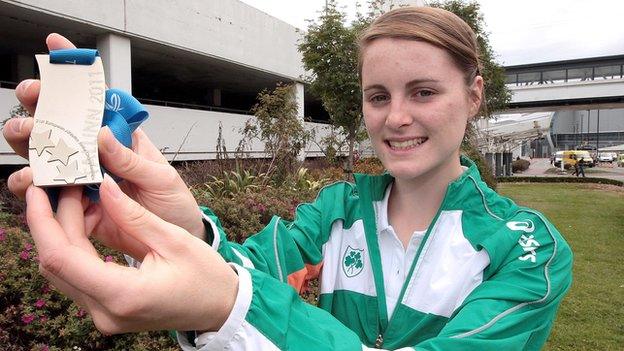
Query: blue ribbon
122, 114
74, 56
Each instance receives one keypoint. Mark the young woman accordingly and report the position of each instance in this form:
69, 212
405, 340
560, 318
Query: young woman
424, 257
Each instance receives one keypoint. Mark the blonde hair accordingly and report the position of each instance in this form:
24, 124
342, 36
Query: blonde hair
435, 26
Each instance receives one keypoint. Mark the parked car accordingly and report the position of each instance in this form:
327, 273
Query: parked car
558, 156
607, 157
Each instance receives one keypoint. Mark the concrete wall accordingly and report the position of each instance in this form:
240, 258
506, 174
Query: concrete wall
564, 91
227, 29
191, 134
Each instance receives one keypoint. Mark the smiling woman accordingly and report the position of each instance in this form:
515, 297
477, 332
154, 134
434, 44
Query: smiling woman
423, 257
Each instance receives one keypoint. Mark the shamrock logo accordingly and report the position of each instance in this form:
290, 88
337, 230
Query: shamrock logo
352, 261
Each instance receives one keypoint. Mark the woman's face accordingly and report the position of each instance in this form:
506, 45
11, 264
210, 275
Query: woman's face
416, 106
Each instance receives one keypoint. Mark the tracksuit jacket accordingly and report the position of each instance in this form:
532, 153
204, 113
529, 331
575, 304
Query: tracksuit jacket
488, 275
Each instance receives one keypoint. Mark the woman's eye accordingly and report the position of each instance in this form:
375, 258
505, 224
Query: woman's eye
424, 93
378, 98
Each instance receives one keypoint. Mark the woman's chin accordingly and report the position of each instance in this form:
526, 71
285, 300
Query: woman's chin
406, 173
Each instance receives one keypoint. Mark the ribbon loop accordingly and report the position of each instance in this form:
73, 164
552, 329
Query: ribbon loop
74, 56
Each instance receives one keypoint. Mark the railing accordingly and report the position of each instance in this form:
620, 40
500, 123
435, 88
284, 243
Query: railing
565, 75
193, 106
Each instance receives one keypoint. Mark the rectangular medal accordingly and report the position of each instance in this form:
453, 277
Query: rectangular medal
63, 144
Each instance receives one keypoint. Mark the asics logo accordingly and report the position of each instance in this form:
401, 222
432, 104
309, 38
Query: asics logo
529, 245
525, 226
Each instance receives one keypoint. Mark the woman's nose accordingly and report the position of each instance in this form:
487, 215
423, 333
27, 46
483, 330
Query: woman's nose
398, 116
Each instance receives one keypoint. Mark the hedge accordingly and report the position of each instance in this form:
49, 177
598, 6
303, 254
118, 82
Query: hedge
559, 180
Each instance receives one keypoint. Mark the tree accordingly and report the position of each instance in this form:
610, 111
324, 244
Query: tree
497, 95
277, 125
329, 50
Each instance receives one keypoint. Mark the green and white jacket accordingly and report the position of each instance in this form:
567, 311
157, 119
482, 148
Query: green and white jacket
488, 275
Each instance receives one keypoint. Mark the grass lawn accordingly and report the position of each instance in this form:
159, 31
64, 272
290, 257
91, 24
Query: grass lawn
591, 218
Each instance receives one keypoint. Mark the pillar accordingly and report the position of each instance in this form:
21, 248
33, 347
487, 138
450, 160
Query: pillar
115, 51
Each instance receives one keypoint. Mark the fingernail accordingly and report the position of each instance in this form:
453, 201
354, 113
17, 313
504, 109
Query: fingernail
25, 85
17, 125
111, 187
111, 144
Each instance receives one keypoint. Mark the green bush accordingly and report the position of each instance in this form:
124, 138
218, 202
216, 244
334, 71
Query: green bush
484, 169
369, 165
246, 211
520, 165
559, 180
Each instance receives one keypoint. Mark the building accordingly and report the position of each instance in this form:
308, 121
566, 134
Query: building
585, 95
195, 66
559, 105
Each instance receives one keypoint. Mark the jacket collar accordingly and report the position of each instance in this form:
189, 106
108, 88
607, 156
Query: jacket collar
376, 185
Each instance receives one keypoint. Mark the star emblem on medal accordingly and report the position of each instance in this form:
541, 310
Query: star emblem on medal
69, 173
40, 141
61, 152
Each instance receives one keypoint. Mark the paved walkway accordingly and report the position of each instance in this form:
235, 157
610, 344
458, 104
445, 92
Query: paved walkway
539, 167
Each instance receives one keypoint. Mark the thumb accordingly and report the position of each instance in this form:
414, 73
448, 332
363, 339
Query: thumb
162, 237
131, 166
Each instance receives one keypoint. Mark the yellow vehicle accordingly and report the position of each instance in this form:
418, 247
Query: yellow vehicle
620, 160
569, 160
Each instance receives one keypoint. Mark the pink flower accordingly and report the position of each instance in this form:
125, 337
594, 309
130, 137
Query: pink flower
108, 258
45, 348
2, 234
43, 319
81, 313
45, 289
24, 255
40, 303
28, 246
28, 318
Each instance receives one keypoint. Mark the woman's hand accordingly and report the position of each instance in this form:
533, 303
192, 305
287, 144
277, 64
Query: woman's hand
182, 284
149, 179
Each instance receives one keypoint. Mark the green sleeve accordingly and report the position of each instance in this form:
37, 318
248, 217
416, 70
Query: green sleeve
291, 252
515, 308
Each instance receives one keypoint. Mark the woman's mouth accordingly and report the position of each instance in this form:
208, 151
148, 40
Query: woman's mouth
406, 144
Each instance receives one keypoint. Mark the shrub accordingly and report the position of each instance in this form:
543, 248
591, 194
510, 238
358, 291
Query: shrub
484, 169
247, 212
369, 165
34, 316
560, 180
278, 126
520, 165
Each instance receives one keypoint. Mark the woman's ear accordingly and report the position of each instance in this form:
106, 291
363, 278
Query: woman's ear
476, 95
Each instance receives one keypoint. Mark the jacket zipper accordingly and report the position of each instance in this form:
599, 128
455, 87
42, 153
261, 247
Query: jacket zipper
379, 341
380, 338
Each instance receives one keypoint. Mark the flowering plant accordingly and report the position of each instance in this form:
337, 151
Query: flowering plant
34, 316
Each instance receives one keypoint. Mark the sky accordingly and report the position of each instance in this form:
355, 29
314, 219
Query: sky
520, 31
